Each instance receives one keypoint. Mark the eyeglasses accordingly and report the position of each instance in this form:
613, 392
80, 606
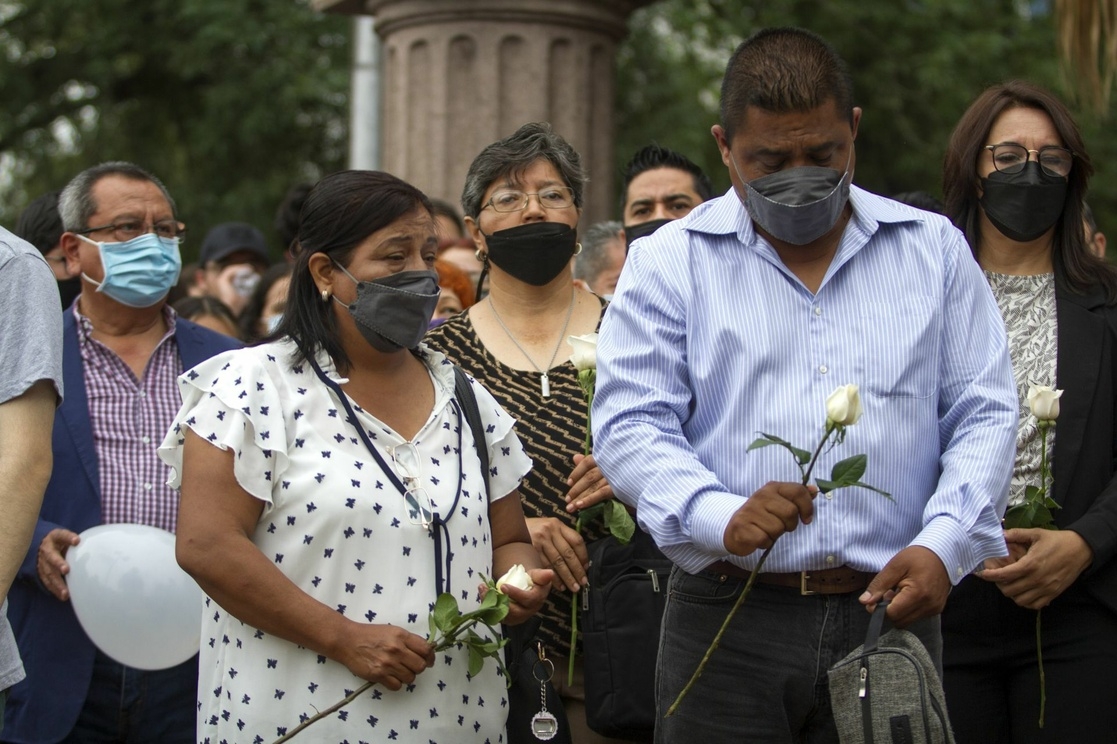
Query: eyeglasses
406, 459
1010, 158
556, 197
125, 231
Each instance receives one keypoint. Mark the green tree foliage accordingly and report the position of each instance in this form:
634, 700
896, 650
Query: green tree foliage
916, 65
228, 103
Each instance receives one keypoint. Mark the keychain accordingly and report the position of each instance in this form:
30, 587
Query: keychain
544, 725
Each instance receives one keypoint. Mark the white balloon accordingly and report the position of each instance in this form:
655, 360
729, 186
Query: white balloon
131, 597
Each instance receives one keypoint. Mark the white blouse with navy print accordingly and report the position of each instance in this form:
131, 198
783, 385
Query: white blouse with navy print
334, 524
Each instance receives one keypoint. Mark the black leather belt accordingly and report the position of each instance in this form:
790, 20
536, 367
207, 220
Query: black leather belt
841, 580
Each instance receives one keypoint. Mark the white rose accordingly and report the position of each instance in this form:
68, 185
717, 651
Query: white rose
843, 407
585, 351
517, 577
1044, 402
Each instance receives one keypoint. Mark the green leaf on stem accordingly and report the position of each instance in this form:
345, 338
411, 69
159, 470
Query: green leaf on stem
445, 612
825, 486
802, 457
619, 521
849, 471
433, 637
493, 615
476, 661
882, 492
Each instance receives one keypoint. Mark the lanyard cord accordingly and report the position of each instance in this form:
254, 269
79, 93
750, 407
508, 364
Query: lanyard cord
438, 531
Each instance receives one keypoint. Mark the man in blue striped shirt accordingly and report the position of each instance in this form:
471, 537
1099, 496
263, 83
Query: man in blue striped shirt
741, 318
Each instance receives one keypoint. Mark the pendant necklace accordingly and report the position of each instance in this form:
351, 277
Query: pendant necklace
544, 379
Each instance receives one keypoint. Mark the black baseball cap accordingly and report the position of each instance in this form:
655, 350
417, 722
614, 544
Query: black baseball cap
232, 237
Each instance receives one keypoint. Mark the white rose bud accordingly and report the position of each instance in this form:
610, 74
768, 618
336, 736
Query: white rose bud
1044, 402
517, 577
585, 351
843, 407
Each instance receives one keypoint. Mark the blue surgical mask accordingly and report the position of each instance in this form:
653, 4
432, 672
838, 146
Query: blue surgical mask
138, 272
273, 323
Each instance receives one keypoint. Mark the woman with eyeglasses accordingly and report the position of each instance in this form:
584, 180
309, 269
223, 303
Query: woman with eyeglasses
522, 199
1014, 180
332, 489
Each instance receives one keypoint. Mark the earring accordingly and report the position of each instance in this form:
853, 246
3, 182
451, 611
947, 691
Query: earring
577, 248
480, 255
325, 295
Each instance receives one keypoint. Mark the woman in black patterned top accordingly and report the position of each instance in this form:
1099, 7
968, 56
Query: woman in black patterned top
1015, 175
522, 199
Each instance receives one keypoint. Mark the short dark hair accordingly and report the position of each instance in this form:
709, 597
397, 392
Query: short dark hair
1087, 217
192, 308
287, 214
783, 70
1074, 263
39, 223
446, 209
340, 212
75, 203
653, 156
589, 264
513, 155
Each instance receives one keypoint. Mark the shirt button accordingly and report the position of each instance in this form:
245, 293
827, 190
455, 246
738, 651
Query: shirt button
142, 394
829, 560
829, 495
145, 440
147, 486
823, 369
958, 571
817, 310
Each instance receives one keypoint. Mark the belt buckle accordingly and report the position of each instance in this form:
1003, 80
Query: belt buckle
803, 590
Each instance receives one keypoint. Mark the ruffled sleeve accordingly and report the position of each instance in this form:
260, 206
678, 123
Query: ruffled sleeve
232, 402
508, 463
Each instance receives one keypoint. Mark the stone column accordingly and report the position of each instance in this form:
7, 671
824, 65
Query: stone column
460, 74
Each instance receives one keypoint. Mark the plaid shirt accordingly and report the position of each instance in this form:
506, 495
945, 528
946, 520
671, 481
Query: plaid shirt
130, 417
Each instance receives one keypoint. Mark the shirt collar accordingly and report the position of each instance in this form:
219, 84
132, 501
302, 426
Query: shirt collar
85, 325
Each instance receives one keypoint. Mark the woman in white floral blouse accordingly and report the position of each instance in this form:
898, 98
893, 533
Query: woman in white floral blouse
331, 489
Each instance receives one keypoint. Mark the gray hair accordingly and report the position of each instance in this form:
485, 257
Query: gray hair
592, 260
76, 204
513, 155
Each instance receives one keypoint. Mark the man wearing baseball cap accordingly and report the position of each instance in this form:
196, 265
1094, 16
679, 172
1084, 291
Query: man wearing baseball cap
234, 255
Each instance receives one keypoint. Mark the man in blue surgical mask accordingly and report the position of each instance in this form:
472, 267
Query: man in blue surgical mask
744, 318
123, 350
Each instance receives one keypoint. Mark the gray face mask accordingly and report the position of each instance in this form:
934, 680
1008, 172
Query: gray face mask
797, 205
394, 312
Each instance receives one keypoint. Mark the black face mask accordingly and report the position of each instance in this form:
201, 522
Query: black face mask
394, 312
644, 229
534, 253
68, 289
1023, 205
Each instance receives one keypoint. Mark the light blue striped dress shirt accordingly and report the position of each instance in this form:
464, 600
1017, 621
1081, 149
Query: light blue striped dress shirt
710, 339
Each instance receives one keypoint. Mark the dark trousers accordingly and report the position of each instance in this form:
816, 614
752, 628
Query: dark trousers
992, 677
767, 682
132, 706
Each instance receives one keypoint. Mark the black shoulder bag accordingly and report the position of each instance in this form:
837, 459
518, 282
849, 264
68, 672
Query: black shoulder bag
520, 655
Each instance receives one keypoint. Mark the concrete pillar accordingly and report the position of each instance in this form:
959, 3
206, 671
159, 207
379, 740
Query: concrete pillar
459, 74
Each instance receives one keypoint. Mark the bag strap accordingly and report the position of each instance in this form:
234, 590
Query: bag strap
463, 391
876, 624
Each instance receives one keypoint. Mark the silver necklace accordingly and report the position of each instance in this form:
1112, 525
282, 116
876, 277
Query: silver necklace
544, 379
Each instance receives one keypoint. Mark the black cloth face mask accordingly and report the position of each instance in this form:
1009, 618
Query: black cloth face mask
1024, 205
534, 253
644, 229
394, 311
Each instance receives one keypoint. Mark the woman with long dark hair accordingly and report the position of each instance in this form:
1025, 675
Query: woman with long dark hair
332, 489
1014, 181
